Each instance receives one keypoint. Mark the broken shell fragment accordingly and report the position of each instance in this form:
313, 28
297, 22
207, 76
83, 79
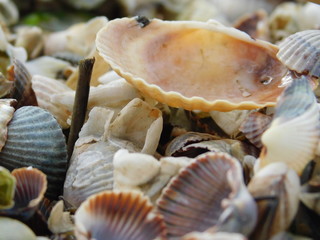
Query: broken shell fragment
35, 139
276, 191
193, 65
300, 52
209, 192
118, 215
7, 188
294, 132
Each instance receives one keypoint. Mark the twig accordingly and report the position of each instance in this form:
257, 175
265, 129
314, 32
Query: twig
80, 102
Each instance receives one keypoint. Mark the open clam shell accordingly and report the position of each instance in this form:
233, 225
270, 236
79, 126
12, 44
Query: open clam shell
209, 192
36, 139
193, 65
31, 185
301, 52
276, 191
294, 132
118, 215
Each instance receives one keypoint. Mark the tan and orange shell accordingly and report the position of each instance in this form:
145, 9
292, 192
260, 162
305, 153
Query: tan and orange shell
193, 65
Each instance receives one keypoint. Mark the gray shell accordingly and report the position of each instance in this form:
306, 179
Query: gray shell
36, 139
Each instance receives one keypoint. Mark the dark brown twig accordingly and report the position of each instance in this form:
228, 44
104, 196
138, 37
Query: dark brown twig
80, 102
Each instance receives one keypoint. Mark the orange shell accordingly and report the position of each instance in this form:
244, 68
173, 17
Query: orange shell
193, 65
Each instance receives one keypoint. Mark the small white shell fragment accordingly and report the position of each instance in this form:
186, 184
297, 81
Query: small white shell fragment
133, 169
59, 221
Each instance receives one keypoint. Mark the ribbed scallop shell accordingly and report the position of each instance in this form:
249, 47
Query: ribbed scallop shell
30, 189
209, 192
276, 190
35, 139
118, 215
301, 52
193, 65
6, 114
294, 133
254, 126
44, 89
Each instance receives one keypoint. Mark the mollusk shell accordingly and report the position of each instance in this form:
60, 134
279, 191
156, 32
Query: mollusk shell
193, 65
294, 133
6, 114
14, 229
118, 215
208, 192
213, 236
301, 52
276, 190
35, 139
254, 126
7, 188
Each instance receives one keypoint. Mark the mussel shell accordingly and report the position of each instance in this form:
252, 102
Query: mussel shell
36, 139
301, 52
118, 215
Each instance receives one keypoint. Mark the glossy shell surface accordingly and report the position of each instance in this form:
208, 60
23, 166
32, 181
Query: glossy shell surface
194, 65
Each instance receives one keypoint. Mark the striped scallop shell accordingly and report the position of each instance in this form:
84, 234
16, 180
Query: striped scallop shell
6, 114
301, 52
254, 126
294, 133
44, 89
208, 193
30, 189
118, 215
35, 139
192, 64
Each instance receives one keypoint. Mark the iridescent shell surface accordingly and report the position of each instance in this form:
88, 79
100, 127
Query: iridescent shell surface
36, 139
193, 65
118, 215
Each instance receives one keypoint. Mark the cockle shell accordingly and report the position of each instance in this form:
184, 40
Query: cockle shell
118, 215
294, 132
45, 88
209, 192
301, 52
254, 126
6, 114
7, 188
193, 65
276, 191
35, 139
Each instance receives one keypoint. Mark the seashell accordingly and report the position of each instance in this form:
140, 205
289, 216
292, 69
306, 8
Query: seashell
59, 221
255, 24
9, 13
85, 4
254, 126
175, 146
213, 236
45, 88
300, 52
310, 194
30, 38
197, 47
6, 114
137, 128
276, 191
35, 139
14, 229
7, 188
31, 185
22, 90
295, 130
208, 192
118, 215
229, 122
5, 86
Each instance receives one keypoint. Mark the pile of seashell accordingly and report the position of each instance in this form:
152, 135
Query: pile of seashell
201, 122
